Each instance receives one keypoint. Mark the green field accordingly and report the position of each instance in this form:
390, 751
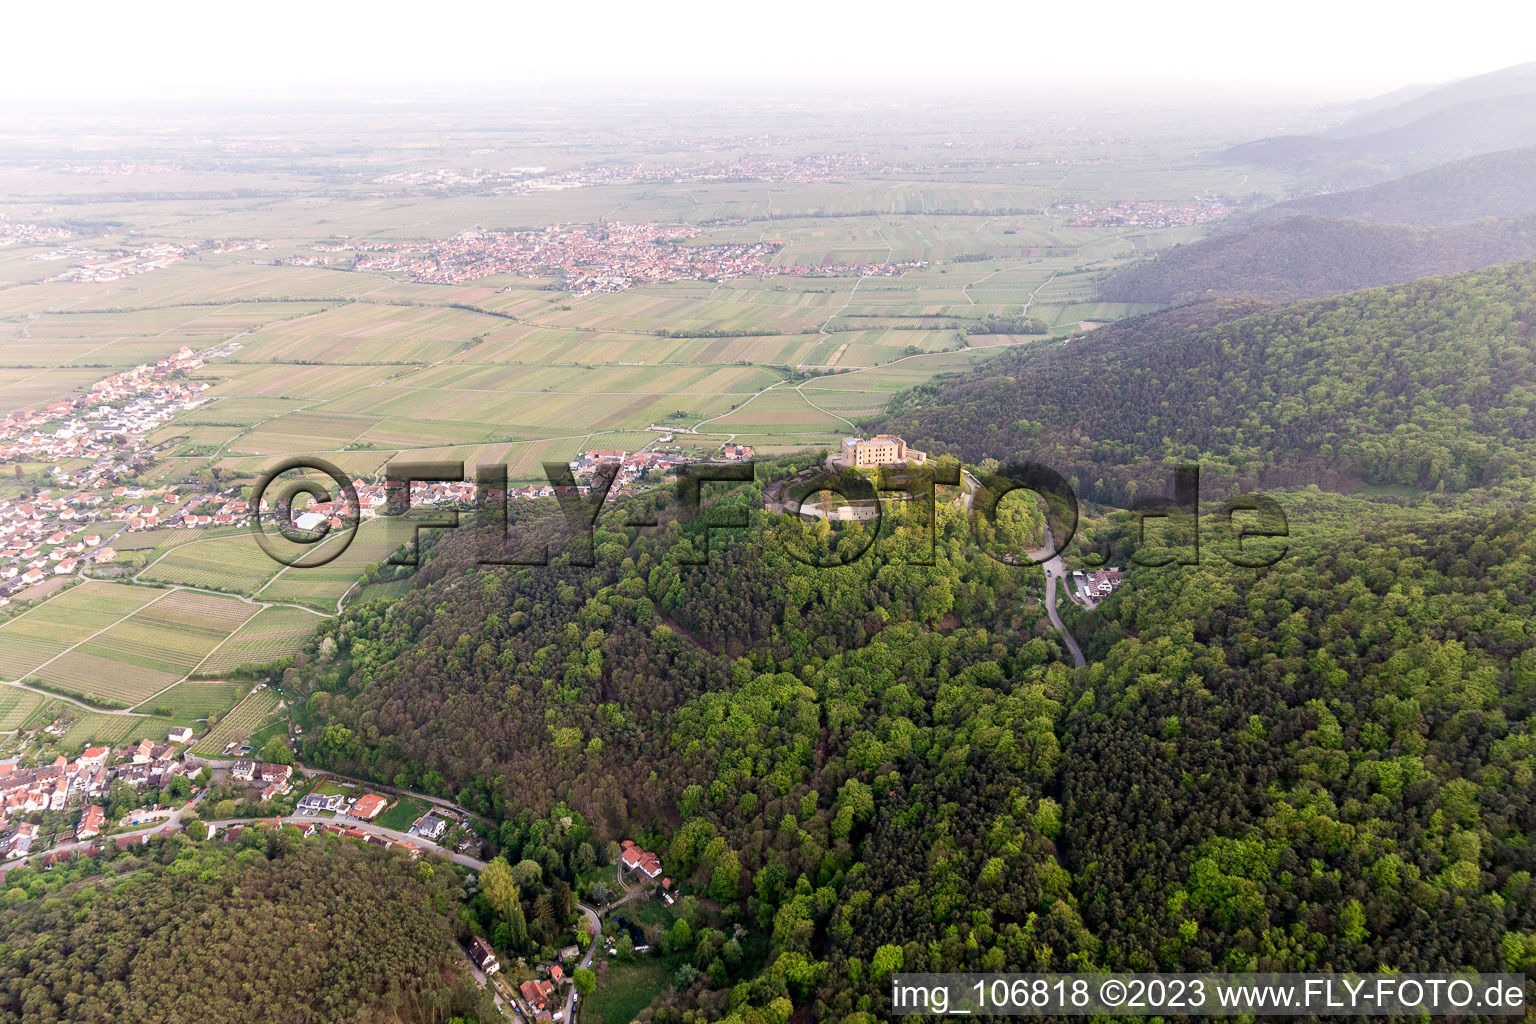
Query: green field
403, 814
322, 587
48, 630
150, 650
16, 706
114, 729
196, 699
255, 712
623, 990
270, 634
234, 564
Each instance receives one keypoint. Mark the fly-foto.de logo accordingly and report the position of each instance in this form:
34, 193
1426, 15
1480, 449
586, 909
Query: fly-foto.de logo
416, 496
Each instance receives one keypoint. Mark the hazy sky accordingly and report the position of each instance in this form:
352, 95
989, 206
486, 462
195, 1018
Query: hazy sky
1311, 50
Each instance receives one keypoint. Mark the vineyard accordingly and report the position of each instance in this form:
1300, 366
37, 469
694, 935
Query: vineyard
272, 633
254, 712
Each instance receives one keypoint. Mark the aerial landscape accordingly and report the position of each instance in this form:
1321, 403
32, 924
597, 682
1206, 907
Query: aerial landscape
586, 549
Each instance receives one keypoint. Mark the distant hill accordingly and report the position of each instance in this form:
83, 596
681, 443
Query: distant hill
1408, 105
1310, 257
1424, 384
1393, 98
1493, 185
1467, 129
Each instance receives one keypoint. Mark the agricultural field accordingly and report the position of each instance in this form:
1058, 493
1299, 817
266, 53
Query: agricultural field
43, 633
322, 587
234, 564
195, 699
16, 706
256, 711
272, 633
91, 727
150, 650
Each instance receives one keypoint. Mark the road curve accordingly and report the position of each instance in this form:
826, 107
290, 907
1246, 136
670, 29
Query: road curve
1050, 609
1054, 571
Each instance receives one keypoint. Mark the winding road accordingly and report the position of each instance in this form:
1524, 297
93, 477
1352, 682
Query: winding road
1054, 571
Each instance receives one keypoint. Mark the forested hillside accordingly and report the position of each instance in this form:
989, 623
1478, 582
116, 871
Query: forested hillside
1309, 257
1495, 185
1427, 384
275, 928
1322, 765
1328, 763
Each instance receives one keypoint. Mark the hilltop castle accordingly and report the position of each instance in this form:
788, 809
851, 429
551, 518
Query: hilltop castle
880, 450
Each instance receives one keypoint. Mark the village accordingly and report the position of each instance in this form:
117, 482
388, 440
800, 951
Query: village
36, 798
100, 436
596, 258
1144, 214
108, 801
809, 167
12, 232
58, 806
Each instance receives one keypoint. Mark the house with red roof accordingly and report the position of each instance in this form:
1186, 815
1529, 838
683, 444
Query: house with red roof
90, 822
642, 861
369, 806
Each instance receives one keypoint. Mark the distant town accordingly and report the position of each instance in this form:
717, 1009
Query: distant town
587, 258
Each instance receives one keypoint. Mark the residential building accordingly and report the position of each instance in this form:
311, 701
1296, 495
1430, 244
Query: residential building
429, 826
641, 861
321, 803
483, 955
368, 807
90, 822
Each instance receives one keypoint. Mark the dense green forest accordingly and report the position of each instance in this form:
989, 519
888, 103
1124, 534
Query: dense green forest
1305, 257
272, 928
1428, 384
1326, 764
1494, 185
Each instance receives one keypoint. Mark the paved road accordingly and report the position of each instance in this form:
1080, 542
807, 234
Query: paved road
169, 824
586, 961
1054, 571
295, 819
